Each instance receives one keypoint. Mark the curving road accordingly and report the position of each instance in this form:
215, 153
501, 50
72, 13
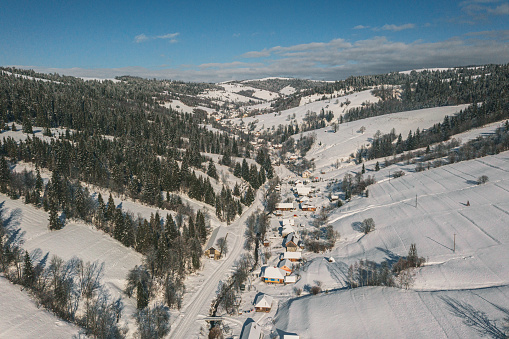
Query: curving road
202, 299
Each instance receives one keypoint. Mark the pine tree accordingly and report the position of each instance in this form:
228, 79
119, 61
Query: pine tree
110, 209
28, 271
237, 170
27, 124
211, 171
4, 174
377, 166
245, 170
363, 169
54, 220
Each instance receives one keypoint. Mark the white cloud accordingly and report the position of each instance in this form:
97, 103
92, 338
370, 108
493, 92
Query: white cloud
481, 8
502, 9
360, 27
394, 28
333, 60
143, 38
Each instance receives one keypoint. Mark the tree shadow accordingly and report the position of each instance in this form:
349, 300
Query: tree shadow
471, 182
391, 258
474, 318
357, 226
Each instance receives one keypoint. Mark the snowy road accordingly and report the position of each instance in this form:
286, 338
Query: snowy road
202, 299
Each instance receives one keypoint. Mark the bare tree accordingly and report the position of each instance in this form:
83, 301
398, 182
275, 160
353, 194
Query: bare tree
368, 225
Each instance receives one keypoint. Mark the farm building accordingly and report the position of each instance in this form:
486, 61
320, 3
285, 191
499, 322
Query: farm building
263, 303
212, 250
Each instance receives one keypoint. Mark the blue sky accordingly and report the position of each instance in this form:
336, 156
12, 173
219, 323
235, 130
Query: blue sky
224, 40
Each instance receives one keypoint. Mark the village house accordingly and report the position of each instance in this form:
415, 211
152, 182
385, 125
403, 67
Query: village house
291, 243
334, 197
292, 256
287, 229
212, 250
251, 330
263, 303
308, 207
303, 191
286, 265
273, 275
284, 206
306, 174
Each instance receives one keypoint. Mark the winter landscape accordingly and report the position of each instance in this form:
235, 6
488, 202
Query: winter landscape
266, 180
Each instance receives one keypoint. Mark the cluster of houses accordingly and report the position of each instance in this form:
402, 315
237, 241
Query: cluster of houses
282, 273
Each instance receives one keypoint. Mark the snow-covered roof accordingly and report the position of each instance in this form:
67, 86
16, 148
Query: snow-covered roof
263, 300
219, 232
287, 230
303, 190
291, 255
291, 279
273, 272
251, 330
285, 262
284, 205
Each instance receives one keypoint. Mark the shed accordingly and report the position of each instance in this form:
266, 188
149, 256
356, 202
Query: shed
290, 279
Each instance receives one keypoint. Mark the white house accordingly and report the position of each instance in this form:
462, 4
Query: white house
263, 303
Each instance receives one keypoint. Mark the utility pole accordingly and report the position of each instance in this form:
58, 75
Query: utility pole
454, 248
389, 176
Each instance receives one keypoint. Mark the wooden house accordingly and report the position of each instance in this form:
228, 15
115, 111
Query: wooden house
291, 243
273, 275
263, 303
284, 206
212, 250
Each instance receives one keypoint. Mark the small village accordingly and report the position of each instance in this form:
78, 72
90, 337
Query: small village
283, 254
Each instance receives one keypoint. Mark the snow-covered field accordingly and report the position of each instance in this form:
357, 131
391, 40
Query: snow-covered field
381, 312
21, 318
231, 93
267, 121
466, 247
330, 146
74, 240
